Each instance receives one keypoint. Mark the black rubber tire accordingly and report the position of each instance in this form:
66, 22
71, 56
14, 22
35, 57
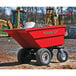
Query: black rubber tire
23, 56
39, 56
60, 58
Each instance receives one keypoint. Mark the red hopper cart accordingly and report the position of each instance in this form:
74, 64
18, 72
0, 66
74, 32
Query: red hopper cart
38, 43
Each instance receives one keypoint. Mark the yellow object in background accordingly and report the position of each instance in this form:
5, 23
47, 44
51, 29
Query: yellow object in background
10, 24
3, 23
56, 22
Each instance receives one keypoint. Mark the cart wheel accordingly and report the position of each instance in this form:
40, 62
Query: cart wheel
43, 56
62, 57
23, 56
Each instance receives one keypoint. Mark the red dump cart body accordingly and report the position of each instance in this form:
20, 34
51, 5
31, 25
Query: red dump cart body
39, 37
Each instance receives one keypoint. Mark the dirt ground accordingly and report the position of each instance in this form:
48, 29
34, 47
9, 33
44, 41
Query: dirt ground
8, 56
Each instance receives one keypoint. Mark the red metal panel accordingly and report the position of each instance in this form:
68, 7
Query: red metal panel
28, 39
51, 41
47, 32
39, 37
14, 34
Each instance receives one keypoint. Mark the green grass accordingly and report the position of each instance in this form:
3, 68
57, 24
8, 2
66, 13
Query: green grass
1, 31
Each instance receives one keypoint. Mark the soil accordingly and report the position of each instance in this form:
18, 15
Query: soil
8, 56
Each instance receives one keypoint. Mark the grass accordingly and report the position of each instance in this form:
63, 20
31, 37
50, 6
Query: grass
3, 33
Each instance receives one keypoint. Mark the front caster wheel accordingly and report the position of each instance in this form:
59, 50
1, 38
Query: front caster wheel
62, 56
43, 56
24, 56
